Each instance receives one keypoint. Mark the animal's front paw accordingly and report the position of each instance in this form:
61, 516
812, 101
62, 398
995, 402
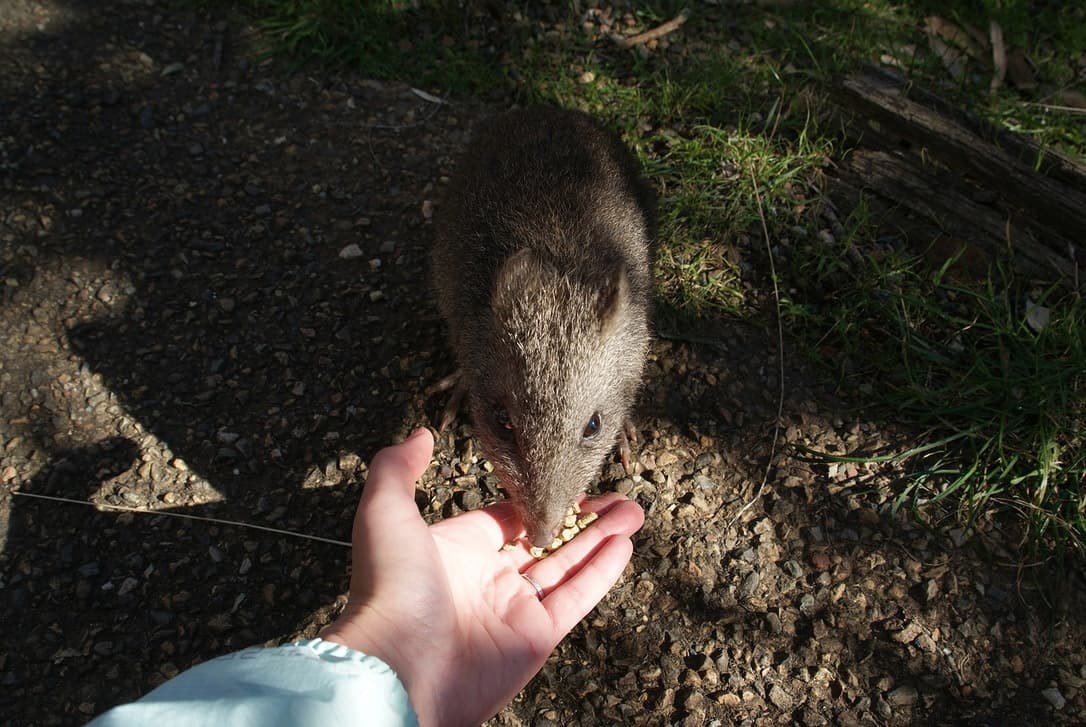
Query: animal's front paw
455, 382
627, 435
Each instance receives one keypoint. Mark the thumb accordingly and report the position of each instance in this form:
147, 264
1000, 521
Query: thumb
390, 485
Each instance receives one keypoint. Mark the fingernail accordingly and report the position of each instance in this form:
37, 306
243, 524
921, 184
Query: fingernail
417, 433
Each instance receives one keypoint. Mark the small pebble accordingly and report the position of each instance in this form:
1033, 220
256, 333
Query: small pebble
780, 698
1053, 696
351, 251
903, 696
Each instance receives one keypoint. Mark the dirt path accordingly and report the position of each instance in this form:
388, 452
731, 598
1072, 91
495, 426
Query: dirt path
213, 303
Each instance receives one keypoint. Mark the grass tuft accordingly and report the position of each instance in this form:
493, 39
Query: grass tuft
999, 394
730, 101
706, 186
421, 42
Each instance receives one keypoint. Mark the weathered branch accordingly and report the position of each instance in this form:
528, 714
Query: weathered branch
657, 32
919, 154
1007, 169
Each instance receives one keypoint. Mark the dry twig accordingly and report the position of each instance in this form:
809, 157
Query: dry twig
657, 32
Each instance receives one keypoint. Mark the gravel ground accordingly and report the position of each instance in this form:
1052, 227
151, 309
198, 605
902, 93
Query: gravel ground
213, 304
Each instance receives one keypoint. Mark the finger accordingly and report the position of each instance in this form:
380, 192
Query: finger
388, 529
622, 519
617, 516
570, 602
390, 485
495, 526
489, 528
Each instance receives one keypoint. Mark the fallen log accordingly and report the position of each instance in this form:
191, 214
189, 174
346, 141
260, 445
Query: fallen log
992, 189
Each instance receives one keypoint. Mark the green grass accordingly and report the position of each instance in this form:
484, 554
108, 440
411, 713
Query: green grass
706, 181
389, 39
1001, 403
736, 100
468, 46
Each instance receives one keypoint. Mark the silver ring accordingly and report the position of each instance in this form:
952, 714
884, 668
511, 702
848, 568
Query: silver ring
535, 584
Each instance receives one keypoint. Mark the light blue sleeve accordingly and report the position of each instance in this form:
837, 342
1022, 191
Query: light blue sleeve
304, 684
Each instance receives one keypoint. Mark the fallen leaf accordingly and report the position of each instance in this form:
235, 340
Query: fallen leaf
1020, 70
952, 58
1037, 316
955, 36
899, 57
999, 56
1071, 98
980, 40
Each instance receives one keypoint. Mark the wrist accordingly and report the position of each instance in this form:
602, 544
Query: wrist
368, 633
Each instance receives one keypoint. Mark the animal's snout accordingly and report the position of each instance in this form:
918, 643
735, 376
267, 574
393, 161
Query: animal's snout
541, 536
544, 521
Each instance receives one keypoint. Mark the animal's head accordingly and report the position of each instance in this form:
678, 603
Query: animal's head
568, 350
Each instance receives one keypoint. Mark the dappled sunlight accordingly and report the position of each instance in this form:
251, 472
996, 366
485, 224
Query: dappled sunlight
72, 405
37, 19
215, 303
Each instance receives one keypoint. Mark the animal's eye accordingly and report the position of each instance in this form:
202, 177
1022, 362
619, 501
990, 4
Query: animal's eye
501, 416
593, 427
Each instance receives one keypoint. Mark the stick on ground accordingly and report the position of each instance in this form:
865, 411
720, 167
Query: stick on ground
657, 32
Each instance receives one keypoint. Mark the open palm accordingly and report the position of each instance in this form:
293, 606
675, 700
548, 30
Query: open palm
446, 607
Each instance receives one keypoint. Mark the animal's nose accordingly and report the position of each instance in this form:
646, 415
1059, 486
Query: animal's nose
541, 536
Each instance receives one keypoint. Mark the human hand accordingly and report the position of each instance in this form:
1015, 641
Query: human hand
447, 608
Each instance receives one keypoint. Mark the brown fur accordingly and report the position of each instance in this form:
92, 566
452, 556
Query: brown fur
542, 270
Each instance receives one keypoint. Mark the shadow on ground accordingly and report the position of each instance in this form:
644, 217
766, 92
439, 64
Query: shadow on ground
215, 304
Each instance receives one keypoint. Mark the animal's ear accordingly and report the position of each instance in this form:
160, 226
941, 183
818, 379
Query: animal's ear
515, 276
516, 269
612, 300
